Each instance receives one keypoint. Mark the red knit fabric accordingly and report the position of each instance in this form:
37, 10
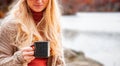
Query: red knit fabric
37, 16
38, 62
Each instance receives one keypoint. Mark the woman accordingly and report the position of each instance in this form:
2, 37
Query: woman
27, 22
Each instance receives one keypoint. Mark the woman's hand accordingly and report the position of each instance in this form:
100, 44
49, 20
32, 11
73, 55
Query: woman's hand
28, 53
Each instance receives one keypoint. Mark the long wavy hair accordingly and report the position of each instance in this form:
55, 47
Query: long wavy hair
48, 29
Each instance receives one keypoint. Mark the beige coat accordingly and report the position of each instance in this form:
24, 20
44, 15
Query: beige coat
9, 52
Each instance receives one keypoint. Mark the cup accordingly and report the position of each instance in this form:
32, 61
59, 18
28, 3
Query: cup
41, 49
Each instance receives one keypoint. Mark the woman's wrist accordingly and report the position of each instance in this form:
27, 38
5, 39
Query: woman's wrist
19, 57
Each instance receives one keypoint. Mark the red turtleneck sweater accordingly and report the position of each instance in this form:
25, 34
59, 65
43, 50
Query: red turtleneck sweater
37, 16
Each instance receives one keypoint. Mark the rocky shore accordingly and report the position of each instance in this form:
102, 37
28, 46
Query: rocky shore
78, 58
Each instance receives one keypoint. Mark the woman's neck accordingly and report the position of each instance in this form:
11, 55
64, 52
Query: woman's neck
37, 16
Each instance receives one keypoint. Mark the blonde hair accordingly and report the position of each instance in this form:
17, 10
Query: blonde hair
49, 25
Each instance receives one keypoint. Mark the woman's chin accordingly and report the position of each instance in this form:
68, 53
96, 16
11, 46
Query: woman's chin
37, 10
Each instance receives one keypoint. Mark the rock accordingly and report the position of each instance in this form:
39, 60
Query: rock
4, 5
1, 14
70, 7
77, 58
70, 34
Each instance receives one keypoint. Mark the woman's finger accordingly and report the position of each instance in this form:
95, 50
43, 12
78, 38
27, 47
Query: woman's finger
25, 53
29, 58
27, 49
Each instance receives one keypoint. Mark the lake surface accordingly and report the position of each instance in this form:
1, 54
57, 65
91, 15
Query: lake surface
96, 34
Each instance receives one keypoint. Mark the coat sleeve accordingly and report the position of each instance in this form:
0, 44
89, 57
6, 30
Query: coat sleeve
8, 56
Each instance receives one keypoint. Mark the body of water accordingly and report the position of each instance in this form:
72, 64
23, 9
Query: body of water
96, 34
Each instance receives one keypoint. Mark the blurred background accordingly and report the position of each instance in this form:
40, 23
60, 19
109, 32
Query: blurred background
90, 31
